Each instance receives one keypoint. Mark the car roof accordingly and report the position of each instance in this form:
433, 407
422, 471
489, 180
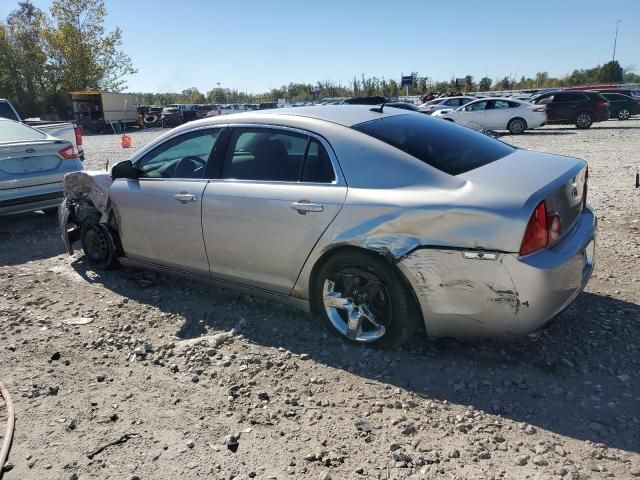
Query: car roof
457, 96
506, 99
345, 115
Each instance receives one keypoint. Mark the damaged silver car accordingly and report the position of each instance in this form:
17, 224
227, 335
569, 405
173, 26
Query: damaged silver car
377, 219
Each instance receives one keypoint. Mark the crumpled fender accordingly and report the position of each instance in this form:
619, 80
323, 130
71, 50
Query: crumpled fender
88, 185
83, 187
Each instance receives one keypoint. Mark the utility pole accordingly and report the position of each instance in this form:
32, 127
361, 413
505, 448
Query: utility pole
615, 40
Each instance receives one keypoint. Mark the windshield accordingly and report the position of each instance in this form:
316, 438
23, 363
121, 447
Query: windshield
448, 147
11, 131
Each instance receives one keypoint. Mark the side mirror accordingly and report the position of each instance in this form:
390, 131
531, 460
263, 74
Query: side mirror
123, 170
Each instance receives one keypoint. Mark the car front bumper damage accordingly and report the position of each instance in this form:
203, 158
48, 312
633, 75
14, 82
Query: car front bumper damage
475, 293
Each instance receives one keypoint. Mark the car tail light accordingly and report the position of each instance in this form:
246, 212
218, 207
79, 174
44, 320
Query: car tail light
584, 188
602, 103
553, 228
540, 109
69, 152
536, 234
78, 131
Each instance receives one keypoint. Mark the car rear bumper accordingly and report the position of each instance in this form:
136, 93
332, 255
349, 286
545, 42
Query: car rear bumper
28, 199
472, 293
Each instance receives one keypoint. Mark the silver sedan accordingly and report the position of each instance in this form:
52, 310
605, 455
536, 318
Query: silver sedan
378, 220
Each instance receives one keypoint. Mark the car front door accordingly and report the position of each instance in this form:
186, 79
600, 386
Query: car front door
159, 212
473, 115
616, 103
277, 192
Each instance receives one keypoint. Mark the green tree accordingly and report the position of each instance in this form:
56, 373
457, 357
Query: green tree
192, 95
469, 85
23, 60
394, 88
484, 85
81, 53
542, 79
611, 72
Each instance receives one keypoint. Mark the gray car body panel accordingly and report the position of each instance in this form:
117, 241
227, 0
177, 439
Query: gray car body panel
425, 222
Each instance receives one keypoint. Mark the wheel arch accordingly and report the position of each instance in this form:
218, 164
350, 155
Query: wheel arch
580, 112
341, 248
526, 124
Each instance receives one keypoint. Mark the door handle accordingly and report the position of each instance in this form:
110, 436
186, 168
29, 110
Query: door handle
303, 207
184, 197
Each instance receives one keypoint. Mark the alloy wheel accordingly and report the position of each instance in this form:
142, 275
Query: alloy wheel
584, 120
516, 127
357, 303
624, 114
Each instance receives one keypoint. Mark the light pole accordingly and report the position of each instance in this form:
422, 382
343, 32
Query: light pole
615, 40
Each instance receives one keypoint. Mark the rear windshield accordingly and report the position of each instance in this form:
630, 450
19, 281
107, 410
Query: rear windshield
443, 145
17, 132
6, 111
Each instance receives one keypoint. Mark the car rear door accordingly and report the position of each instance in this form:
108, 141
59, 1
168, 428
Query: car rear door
159, 212
568, 104
277, 191
496, 114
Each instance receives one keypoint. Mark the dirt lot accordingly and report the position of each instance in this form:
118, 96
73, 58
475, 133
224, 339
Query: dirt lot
280, 398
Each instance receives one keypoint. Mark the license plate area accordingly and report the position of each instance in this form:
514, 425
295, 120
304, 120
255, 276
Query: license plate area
588, 254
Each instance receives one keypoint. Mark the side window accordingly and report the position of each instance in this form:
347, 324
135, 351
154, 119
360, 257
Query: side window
569, 97
514, 105
474, 107
500, 104
264, 154
545, 100
464, 101
181, 157
317, 165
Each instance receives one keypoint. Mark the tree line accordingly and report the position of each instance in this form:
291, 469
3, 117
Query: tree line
363, 86
46, 55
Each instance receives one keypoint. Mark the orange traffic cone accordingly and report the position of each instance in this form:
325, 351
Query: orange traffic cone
125, 141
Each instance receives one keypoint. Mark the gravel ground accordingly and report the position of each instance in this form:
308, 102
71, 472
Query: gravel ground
172, 379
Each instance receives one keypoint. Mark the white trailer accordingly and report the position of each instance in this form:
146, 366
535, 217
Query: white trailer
96, 110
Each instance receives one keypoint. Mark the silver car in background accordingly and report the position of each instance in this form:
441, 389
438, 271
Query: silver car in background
377, 219
32, 166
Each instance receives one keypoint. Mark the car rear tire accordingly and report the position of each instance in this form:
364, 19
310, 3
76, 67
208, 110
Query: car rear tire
584, 120
516, 126
97, 244
364, 300
624, 114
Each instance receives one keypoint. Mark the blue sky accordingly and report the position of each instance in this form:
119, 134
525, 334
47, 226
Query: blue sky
256, 45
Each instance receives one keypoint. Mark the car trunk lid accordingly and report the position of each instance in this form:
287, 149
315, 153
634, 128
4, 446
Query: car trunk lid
533, 177
29, 164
